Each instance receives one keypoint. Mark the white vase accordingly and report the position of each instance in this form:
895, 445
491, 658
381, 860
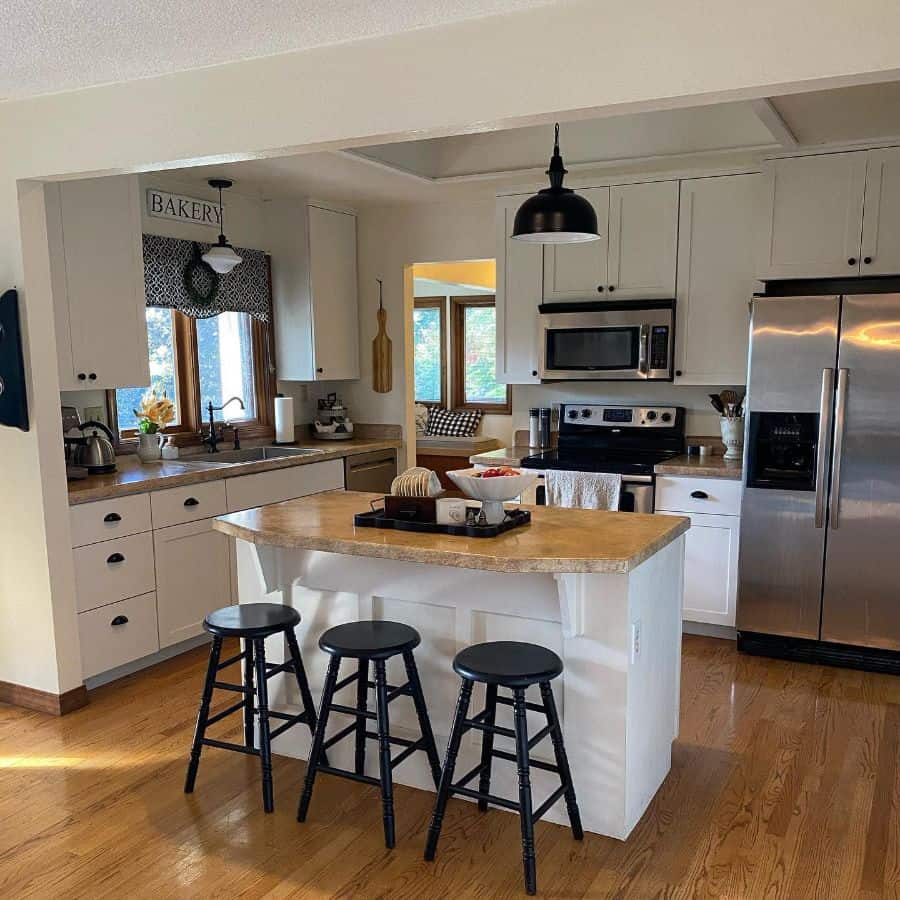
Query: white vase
150, 447
733, 437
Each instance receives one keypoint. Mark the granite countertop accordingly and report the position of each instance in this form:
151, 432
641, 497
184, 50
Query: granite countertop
553, 542
702, 467
135, 477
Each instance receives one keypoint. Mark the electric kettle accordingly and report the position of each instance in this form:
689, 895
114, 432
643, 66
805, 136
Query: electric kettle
94, 451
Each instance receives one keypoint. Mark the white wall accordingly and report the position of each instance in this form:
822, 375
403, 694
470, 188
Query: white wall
654, 54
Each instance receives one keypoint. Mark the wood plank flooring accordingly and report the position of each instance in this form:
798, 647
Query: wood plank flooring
784, 784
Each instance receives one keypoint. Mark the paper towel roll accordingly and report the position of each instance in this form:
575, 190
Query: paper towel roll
284, 420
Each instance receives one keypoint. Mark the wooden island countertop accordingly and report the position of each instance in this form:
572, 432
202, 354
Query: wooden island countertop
557, 540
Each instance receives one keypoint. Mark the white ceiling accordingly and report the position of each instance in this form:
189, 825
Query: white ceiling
60, 45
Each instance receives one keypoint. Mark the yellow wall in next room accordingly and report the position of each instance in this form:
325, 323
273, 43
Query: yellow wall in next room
477, 272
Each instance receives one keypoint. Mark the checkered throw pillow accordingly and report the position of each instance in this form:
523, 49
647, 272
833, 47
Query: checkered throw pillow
452, 423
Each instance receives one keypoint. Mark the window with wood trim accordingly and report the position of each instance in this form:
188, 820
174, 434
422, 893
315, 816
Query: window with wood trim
473, 333
430, 350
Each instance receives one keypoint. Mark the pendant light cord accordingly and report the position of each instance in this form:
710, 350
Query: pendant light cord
222, 212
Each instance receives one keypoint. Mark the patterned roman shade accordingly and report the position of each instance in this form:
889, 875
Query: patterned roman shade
244, 289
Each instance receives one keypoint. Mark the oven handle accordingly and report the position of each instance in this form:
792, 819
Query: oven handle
626, 479
644, 351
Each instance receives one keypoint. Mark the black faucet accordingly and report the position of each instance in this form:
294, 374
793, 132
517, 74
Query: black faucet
213, 439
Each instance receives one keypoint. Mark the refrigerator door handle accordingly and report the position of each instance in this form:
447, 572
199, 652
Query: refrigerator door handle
825, 406
840, 414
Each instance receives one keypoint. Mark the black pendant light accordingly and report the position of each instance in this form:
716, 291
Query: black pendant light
556, 215
221, 256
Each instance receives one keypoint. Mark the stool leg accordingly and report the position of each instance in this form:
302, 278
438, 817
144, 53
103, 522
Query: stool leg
521, 729
443, 794
418, 695
262, 705
384, 752
362, 701
562, 760
315, 752
487, 745
248, 697
203, 715
300, 674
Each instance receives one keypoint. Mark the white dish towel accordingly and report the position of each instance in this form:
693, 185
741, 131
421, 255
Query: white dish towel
583, 490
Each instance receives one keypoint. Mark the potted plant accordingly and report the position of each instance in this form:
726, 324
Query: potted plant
153, 416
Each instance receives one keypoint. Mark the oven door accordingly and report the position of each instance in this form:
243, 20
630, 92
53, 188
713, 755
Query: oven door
637, 494
613, 345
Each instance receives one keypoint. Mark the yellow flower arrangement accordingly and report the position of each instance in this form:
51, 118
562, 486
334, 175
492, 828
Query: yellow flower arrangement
155, 413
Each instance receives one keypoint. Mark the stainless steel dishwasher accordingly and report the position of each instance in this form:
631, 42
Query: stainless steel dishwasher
373, 471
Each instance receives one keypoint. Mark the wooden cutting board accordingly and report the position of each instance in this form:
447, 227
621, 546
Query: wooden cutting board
382, 351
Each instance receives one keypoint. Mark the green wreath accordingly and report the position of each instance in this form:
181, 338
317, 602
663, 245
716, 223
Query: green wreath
201, 281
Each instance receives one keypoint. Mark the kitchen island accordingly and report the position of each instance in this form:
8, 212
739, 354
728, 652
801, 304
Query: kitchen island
601, 589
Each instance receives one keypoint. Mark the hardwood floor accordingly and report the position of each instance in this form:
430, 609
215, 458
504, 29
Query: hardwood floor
784, 784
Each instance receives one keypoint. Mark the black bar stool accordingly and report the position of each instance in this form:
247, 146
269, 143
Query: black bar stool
378, 642
514, 665
253, 622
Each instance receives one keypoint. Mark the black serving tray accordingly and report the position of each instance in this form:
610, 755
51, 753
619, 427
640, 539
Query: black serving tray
377, 519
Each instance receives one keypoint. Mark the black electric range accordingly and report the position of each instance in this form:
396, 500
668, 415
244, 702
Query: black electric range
614, 462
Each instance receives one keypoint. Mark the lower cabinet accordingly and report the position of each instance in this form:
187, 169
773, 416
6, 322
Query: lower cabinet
117, 634
193, 577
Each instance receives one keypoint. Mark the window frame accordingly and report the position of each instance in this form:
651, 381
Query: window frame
440, 304
458, 307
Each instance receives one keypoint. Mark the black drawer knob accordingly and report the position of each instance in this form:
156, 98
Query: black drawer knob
192, 501
678, 373
867, 260
534, 373
119, 620
81, 376
700, 495
612, 287
600, 288
112, 517
93, 376
115, 558
320, 370
851, 261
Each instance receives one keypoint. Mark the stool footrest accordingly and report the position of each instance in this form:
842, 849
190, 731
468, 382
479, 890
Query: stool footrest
351, 711
483, 726
278, 668
345, 681
548, 802
232, 660
344, 732
235, 688
226, 712
287, 722
534, 707
537, 738
491, 798
394, 691
420, 744
477, 770
534, 763
399, 741
346, 773
225, 745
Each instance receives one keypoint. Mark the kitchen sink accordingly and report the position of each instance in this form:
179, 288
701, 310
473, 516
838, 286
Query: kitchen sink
255, 454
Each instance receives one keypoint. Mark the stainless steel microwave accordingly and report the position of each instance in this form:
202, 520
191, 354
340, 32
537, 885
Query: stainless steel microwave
628, 341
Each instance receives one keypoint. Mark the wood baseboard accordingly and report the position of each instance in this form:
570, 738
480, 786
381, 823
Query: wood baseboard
43, 701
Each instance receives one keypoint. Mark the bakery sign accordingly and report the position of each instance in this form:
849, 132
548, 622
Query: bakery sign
163, 205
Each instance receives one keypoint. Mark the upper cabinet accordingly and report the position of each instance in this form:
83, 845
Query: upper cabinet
635, 257
834, 215
97, 277
715, 279
316, 300
519, 274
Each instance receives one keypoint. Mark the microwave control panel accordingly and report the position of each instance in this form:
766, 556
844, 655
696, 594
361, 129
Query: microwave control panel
659, 347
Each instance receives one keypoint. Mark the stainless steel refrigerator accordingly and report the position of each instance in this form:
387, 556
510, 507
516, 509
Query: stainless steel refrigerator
820, 522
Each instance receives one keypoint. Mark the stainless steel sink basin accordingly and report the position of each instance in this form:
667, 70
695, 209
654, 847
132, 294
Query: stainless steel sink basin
255, 454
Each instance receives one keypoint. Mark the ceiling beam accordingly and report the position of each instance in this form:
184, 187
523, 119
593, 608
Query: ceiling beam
770, 117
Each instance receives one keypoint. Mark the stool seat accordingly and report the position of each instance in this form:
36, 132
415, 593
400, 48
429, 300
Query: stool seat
369, 639
251, 620
507, 663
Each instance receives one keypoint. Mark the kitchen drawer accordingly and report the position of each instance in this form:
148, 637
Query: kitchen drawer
263, 488
175, 506
113, 570
107, 519
709, 496
117, 634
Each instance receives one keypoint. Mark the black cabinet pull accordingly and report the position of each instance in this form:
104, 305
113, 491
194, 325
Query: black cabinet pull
700, 495
612, 287
867, 260
81, 376
115, 558
534, 373
192, 501
119, 620
93, 376
320, 370
678, 373
112, 517
851, 261
600, 288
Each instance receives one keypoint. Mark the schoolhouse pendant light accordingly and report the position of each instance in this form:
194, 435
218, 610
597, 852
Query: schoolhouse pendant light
221, 256
556, 215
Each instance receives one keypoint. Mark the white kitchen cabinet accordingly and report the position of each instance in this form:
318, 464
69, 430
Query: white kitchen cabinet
715, 278
580, 271
315, 294
193, 577
263, 488
643, 241
97, 278
813, 216
519, 285
881, 219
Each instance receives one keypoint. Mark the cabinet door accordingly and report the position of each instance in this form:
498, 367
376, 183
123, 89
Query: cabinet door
578, 271
881, 220
643, 240
333, 287
103, 284
519, 268
715, 279
813, 220
710, 568
193, 577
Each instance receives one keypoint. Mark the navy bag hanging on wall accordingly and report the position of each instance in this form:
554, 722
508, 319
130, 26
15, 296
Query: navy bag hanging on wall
13, 404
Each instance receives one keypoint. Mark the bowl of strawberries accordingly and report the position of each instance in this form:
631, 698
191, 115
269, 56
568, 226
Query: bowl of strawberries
492, 486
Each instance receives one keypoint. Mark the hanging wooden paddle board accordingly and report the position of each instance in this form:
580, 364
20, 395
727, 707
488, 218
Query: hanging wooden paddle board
382, 351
